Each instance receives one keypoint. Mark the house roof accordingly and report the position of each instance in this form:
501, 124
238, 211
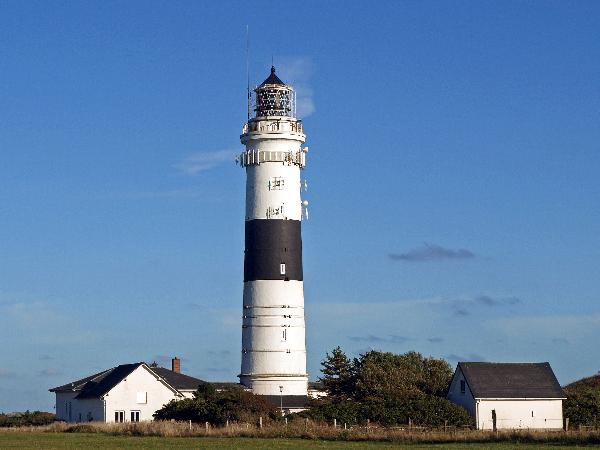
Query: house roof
101, 383
99, 386
75, 386
179, 381
511, 380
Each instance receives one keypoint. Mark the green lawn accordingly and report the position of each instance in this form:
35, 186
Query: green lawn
52, 441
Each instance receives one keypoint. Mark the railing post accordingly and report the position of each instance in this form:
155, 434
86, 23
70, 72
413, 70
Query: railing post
260, 422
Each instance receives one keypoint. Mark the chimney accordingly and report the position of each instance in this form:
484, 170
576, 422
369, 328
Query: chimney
176, 365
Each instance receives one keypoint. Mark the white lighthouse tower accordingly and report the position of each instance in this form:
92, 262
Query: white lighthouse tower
273, 333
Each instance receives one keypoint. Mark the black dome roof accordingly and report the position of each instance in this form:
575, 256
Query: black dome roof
273, 79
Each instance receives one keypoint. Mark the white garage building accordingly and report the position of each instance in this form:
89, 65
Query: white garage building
126, 393
508, 395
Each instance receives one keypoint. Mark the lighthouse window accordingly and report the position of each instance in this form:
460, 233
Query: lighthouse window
282, 268
285, 335
276, 183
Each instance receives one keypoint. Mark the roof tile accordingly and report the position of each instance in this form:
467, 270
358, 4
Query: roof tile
511, 380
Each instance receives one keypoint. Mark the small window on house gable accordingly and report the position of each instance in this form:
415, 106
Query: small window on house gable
463, 386
141, 397
282, 268
119, 416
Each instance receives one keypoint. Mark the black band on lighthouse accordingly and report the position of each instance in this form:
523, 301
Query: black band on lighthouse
273, 250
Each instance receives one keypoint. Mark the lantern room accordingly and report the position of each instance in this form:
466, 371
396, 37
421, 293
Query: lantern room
275, 98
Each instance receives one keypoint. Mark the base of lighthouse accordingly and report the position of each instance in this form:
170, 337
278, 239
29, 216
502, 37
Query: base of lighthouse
270, 385
273, 334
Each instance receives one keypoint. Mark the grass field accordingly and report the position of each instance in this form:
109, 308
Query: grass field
61, 441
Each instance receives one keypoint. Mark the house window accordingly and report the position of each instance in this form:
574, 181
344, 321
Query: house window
135, 416
282, 268
276, 183
463, 386
119, 416
141, 397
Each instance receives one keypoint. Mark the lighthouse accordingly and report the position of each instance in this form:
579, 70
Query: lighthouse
273, 331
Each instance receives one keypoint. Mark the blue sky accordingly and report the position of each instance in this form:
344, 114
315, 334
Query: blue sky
453, 182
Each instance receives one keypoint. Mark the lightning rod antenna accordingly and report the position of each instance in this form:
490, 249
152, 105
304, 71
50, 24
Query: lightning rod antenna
248, 70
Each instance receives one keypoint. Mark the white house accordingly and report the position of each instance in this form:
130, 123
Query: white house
508, 395
126, 393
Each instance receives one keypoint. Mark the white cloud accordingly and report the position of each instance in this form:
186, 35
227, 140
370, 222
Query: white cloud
201, 161
29, 315
41, 322
298, 72
50, 372
568, 326
168, 194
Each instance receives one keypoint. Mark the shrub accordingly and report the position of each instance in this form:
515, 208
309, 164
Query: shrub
26, 419
232, 404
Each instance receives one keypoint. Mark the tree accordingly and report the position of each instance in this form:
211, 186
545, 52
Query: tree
582, 405
338, 374
387, 388
583, 408
384, 374
205, 391
437, 375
